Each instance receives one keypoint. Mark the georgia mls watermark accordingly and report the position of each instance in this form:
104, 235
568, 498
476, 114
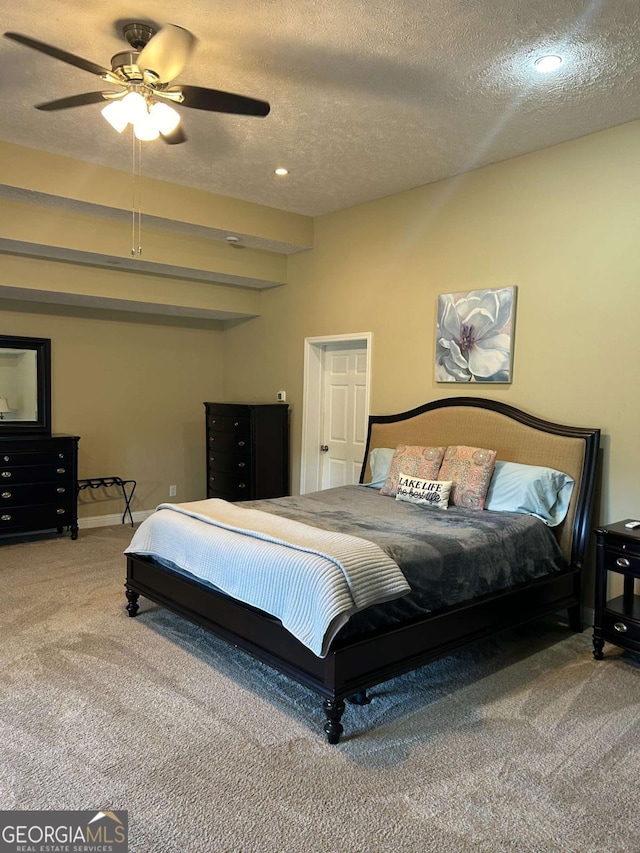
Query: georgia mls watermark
64, 832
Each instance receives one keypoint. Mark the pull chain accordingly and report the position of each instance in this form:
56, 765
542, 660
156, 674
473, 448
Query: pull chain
136, 204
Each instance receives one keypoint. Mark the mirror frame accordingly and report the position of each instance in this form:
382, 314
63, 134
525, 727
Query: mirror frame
42, 424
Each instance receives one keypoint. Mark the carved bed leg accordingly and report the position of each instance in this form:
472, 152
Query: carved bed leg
132, 598
598, 646
333, 709
575, 618
360, 698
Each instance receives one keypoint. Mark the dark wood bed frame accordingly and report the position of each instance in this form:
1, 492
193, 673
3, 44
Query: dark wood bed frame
352, 667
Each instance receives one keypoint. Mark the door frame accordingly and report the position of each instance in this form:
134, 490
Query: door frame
313, 402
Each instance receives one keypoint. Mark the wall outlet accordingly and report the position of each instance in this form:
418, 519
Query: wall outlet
172, 491
281, 396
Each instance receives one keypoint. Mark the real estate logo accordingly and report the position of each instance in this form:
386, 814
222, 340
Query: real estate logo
64, 832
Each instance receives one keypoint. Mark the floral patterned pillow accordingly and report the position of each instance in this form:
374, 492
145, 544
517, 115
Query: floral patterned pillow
470, 470
414, 461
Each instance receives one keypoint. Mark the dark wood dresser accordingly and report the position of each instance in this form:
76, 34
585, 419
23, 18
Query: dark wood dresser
247, 450
38, 476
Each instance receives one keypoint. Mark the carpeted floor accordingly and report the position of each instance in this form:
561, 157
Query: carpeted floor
522, 744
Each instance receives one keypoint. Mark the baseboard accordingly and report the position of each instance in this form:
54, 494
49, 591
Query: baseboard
113, 518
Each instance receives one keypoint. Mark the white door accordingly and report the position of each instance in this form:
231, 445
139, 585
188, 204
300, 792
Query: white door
344, 414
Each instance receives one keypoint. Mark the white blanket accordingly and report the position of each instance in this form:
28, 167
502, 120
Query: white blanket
312, 580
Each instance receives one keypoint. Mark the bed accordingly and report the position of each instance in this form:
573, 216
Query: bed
446, 608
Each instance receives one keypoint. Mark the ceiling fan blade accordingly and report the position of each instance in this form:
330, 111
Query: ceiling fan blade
57, 53
216, 101
176, 136
72, 101
167, 52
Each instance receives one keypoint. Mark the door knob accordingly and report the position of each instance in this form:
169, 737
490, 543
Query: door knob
324, 448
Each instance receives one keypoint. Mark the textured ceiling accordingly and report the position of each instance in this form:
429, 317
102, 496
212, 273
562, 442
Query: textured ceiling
367, 98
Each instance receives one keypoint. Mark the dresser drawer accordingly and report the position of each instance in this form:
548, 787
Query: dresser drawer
229, 441
34, 517
36, 493
622, 560
19, 458
35, 474
229, 463
232, 497
620, 626
229, 423
233, 487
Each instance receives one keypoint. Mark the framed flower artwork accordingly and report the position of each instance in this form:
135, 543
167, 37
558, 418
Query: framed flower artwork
474, 335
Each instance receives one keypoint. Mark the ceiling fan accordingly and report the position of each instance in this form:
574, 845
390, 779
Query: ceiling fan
143, 77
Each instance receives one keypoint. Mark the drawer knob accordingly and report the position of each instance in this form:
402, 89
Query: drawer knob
236, 423
213, 420
61, 470
241, 444
624, 564
61, 490
241, 464
620, 627
5, 458
6, 474
241, 486
60, 455
5, 517
6, 494
60, 511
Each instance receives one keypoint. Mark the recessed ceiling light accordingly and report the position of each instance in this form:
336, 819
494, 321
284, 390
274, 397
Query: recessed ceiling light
281, 171
545, 64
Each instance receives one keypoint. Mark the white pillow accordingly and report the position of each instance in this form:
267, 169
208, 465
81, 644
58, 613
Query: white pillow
380, 461
431, 493
531, 489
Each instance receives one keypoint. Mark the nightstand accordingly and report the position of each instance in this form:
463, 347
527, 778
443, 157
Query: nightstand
617, 619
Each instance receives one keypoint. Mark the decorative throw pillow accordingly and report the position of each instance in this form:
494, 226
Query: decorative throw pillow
432, 493
414, 461
470, 470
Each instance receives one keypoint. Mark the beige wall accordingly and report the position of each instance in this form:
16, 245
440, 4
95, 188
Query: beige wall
562, 225
132, 388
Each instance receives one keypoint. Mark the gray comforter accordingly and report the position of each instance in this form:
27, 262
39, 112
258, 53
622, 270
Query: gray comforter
448, 556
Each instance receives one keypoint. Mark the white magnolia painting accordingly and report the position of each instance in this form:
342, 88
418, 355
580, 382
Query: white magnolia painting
474, 336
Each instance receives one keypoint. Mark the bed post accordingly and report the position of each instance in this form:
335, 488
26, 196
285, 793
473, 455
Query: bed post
333, 709
132, 598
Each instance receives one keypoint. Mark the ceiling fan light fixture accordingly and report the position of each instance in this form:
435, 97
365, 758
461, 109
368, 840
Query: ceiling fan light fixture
116, 115
135, 106
143, 76
145, 128
166, 119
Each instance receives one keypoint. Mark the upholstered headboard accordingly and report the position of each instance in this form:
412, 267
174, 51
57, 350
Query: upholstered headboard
515, 435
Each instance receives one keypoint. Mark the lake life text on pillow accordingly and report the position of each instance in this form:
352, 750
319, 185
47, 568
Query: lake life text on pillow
433, 493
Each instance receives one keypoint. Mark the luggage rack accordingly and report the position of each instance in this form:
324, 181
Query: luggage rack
107, 483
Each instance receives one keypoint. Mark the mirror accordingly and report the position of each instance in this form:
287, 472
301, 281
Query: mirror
25, 385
